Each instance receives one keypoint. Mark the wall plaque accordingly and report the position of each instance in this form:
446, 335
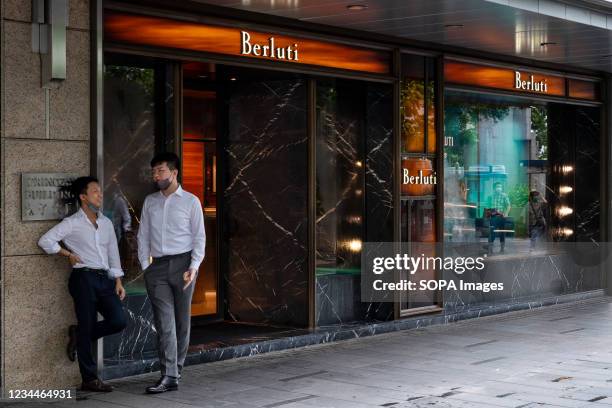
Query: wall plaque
41, 197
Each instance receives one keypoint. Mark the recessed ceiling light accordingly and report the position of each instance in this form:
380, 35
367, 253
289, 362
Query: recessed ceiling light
544, 44
453, 26
233, 78
357, 7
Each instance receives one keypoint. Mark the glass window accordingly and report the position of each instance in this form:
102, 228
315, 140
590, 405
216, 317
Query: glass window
353, 192
412, 104
418, 104
129, 145
510, 169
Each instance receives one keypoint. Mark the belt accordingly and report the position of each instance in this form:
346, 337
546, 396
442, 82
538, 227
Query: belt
167, 257
103, 272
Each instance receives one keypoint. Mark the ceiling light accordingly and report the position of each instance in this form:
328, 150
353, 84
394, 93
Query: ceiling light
232, 78
357, 7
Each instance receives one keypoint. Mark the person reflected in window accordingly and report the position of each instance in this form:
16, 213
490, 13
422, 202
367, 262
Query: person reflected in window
537, 217
499, 207
122, 220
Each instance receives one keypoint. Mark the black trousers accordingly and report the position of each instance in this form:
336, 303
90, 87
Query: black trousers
92, 292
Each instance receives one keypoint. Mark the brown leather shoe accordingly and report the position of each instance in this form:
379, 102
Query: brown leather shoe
72, 342
96, 386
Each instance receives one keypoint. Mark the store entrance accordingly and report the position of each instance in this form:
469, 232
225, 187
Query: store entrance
244, 152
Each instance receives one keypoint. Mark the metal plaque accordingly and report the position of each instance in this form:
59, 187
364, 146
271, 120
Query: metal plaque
42, 197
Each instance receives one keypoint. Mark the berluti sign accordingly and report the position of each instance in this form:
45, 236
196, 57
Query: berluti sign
42, 196
269, 49
485, 76
418, 177
521, 81
125, 28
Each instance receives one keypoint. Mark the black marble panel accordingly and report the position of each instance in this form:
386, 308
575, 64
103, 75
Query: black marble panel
264, 206
354, 193
139, 337
379, 180
588, 162
526, 277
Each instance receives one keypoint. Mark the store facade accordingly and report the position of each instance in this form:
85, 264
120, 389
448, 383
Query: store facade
303, 147
306, 146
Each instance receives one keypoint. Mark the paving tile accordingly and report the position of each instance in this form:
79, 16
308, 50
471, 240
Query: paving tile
527, 359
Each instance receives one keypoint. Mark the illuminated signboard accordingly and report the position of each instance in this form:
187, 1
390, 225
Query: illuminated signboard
123, 28
522, 81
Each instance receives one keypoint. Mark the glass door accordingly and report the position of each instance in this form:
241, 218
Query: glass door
199, 159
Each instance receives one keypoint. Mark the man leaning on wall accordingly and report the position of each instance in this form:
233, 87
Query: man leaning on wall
95, 284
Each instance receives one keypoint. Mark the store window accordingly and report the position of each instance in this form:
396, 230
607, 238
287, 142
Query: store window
519, 173
135, 127
354, 184
419, 178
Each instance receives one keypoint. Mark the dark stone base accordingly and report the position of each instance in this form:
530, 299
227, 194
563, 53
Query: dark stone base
148, 363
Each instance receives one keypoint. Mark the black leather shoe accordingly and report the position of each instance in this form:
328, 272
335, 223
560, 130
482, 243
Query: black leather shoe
164, 384
96, 386
72, 342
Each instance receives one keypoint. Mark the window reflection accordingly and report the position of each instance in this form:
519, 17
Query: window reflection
510, 174
129, 145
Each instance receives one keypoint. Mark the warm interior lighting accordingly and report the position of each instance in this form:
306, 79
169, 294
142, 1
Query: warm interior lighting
358, 163
567, 169
357, 7
354, 219
233, 78
354, 245
563, 211
566, 232
565, 190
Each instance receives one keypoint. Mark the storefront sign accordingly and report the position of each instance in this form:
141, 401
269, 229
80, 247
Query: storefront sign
289, 52
470, 74
464, 73
418, 177
41, 197
132, 29
531, 84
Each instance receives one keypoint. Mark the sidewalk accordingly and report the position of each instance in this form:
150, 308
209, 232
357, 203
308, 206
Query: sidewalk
557, 356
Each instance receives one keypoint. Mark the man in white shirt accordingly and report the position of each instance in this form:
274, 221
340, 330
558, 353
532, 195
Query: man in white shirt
95, 282
172, 234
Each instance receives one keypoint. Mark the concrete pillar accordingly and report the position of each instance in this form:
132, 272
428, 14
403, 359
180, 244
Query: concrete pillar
41, 131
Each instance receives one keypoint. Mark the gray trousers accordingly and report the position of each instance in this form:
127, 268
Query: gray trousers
171, 310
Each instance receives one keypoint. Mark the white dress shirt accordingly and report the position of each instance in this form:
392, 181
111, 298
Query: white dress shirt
96, 247
171, 225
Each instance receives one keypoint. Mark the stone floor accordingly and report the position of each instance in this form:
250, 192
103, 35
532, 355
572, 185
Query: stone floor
557, 356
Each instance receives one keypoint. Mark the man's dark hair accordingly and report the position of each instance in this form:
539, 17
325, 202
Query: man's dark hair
79, 186
169, 158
